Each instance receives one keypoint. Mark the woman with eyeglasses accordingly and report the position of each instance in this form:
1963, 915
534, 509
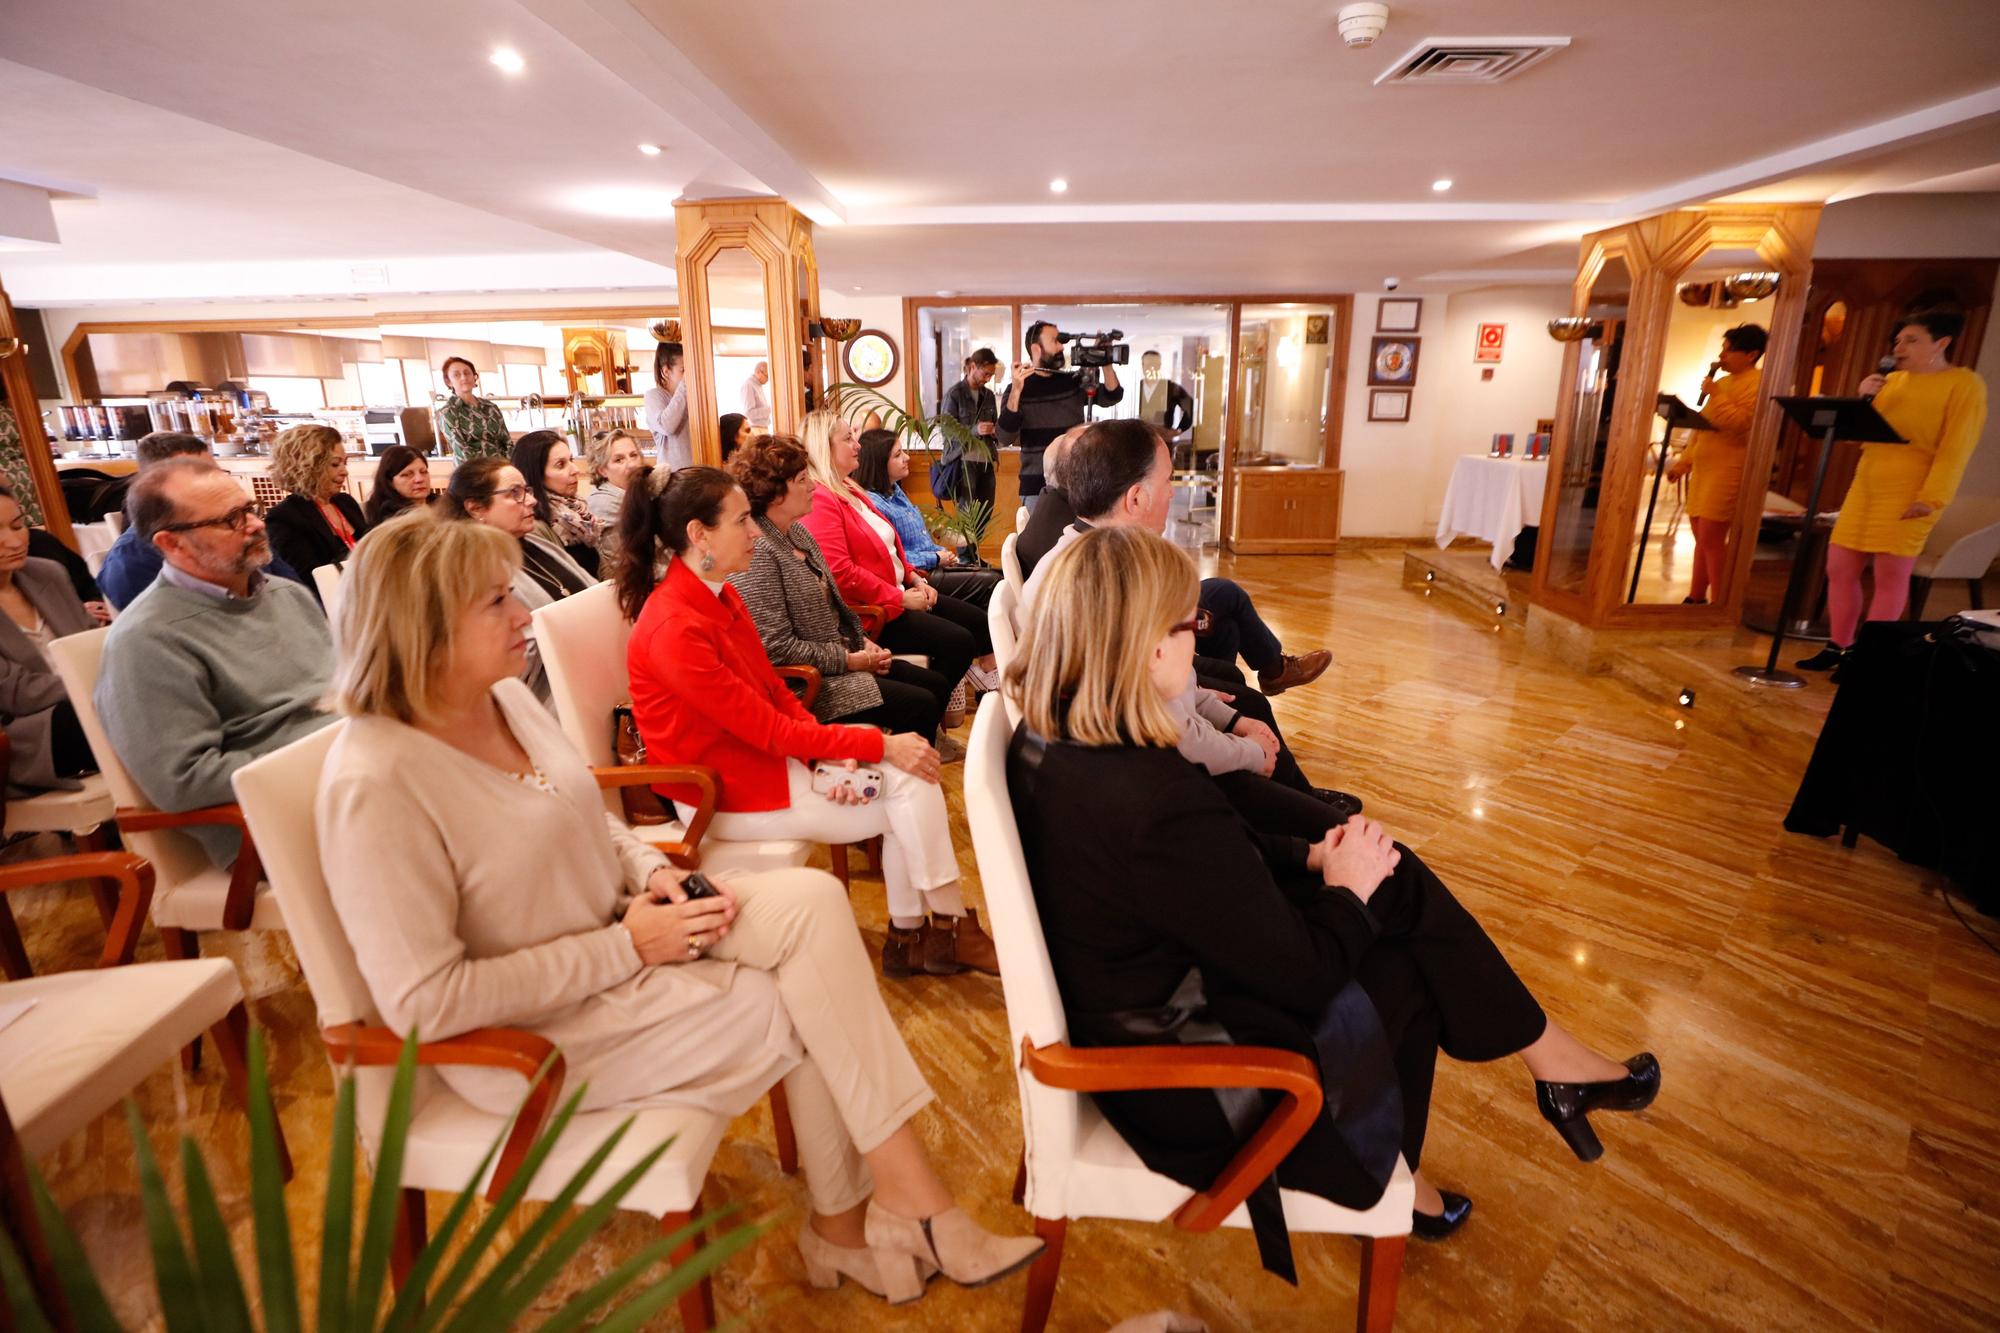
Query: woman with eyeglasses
492, 491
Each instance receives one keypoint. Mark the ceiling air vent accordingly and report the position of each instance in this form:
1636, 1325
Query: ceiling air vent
1459, 61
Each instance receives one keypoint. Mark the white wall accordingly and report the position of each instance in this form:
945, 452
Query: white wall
1396, 473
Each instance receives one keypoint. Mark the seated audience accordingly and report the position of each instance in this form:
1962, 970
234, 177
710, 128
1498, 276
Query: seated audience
402, 482
491, 491
883, 468
527, 906
131, 565
214, 664
870, 566
47, 750
617, 458
1345, 949
1120, 475
736, 431
562, 519
801, 616
703, 692
318, 522
1233, 626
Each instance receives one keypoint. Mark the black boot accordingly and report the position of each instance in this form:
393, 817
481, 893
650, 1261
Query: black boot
1826, 659
1567, 1106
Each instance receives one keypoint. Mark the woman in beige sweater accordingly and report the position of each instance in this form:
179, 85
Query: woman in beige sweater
481, 883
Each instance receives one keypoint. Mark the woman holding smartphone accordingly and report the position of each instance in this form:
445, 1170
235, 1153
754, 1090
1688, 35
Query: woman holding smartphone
704, 692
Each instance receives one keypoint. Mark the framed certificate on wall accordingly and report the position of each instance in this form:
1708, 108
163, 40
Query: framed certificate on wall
1388, 404
1399, 314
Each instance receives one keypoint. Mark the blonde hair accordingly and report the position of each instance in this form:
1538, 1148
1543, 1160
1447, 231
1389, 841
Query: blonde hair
399, 605
817, 434
301, 457
1081, 673
598, 452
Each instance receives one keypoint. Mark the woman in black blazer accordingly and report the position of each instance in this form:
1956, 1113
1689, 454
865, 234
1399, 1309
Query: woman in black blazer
319, 522
1169, 919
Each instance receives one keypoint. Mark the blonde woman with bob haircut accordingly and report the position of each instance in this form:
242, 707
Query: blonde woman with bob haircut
1158, 899
318, 522
869, 564
616, 457
481, 883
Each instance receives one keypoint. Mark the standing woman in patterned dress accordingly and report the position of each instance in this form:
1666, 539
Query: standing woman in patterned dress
1900, 489
473, 427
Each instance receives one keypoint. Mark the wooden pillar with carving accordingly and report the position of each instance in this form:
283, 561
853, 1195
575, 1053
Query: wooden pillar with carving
20, 397
779, 238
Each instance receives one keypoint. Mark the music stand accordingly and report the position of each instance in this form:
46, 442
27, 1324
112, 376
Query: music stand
1678, 416
1829, 418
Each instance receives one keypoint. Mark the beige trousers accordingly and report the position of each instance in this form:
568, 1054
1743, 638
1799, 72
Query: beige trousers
858, 1084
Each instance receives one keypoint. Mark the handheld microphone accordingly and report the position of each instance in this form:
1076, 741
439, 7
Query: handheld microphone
1882, 367
1713, 366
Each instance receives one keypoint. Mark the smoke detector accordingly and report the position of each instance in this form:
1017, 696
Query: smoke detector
1361, 24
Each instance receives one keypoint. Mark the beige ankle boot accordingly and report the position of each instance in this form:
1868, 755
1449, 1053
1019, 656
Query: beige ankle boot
959, 1247
826, 1263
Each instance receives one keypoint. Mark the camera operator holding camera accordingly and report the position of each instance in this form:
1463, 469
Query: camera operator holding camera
1045, 400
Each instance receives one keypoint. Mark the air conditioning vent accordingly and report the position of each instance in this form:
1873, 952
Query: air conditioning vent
1459, 61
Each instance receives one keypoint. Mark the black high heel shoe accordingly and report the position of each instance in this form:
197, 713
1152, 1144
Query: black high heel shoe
1456, 1208
1567, 1106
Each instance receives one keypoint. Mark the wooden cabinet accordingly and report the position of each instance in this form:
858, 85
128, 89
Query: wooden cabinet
1281, 510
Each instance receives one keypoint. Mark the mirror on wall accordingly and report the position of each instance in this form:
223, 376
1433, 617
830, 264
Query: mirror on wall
947, 335
740, 339
1566, 543
1284, 385
1712, 362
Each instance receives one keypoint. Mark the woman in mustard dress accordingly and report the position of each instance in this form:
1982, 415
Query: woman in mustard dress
1900, 489
1715, 458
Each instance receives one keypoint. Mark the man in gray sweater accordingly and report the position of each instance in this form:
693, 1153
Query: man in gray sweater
214, 664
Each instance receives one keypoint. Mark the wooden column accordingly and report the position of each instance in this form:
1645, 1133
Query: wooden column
20, 396
779, 238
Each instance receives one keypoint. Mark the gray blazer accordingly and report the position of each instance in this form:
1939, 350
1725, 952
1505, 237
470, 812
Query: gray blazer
802, 620
29, 689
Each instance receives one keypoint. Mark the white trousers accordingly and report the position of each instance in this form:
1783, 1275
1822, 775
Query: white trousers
909, 816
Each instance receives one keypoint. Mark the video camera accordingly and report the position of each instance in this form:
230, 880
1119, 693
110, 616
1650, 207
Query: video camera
1096, 349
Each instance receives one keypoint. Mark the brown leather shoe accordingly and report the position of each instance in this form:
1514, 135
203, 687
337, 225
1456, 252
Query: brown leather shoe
940, 943
972, 947
903, 951
1300, 670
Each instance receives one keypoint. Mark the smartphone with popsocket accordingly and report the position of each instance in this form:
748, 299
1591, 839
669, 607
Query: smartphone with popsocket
864, 780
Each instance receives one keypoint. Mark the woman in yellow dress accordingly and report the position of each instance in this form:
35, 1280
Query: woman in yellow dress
1900, 489
1716, 456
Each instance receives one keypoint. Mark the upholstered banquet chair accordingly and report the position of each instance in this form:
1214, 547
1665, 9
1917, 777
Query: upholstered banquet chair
448, 1136
1021, 516
1003, 623
1073, 1163
122, 883
1010, 563
326, 578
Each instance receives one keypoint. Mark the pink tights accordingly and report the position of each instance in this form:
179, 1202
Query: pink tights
1843, 589
1711, 551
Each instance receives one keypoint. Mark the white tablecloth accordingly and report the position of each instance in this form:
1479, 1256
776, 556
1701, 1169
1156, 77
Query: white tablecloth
1492, 499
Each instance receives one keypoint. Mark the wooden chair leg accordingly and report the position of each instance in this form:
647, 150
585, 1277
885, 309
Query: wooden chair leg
180, 944
874, 849
1021, 1180
1920, 592
232, 1042
1042, 1276
106, 898
838, 853
1850, 834
1381, 1275
413, 1229
1975, 591
697, 1302
781, 1129
13, 954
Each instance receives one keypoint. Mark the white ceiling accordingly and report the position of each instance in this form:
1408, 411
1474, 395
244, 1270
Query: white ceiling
247, 149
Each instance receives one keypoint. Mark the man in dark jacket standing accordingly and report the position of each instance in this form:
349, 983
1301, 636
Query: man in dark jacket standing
1046, 400
970, 403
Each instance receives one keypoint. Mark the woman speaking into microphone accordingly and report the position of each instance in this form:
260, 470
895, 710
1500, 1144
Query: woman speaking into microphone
1716, 457
1900, 489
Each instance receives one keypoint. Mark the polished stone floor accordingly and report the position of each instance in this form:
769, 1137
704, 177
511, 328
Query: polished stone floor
1825, 1154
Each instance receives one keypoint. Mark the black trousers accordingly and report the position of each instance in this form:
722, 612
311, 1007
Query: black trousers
974, 587
913, 700
1238, 630
1252, 704
949, 645
68, 747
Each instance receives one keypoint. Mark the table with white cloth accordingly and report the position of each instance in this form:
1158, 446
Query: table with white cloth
1492, 499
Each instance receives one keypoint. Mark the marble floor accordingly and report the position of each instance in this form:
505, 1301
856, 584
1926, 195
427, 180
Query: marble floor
1825, 1154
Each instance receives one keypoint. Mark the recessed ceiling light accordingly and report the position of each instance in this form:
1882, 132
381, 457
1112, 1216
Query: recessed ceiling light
947, 292
650, 149
1441, 184
507, 60
1058, 186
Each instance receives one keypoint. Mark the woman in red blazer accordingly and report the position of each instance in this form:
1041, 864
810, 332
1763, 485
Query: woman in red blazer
703, 692
866, 559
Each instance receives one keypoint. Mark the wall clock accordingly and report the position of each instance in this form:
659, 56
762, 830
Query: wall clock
870, 358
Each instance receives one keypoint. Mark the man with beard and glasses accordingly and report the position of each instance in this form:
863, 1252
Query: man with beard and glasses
213, 664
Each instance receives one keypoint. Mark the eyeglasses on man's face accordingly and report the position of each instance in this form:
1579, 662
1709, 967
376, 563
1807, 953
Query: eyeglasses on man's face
236, 520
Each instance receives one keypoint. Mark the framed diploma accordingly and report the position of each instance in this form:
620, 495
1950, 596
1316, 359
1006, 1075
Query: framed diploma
1388, 404
1399, 314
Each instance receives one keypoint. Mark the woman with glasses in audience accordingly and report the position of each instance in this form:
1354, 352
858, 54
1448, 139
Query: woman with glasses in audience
491, 491
801, 616
402, 482
319, 522
527, 906
1166, 913
543, 459
704, 692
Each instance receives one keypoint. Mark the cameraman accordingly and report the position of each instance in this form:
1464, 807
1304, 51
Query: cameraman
1044, 401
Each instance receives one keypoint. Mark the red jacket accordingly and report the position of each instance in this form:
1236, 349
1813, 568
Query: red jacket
703, 692
854, 552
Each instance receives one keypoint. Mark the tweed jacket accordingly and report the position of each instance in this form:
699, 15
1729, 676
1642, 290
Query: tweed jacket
802, 619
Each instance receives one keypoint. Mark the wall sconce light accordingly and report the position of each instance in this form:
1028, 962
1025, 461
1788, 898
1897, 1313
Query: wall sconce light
1754, 286
11, 347
840, 330
1571, 328
1288, 352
